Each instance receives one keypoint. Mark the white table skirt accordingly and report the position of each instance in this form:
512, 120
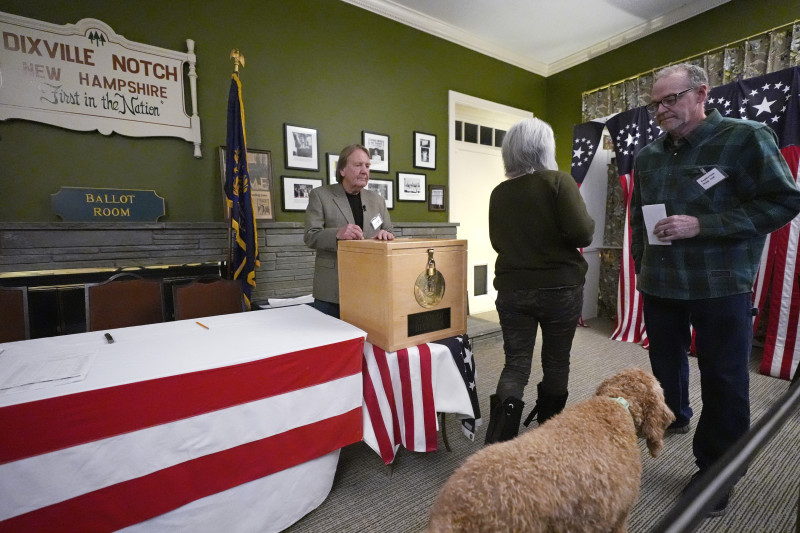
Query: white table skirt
266, 505
150, 356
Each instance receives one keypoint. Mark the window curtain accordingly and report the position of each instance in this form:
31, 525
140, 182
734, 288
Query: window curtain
763, 54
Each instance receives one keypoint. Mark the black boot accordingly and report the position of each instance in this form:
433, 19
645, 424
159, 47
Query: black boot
492, 432
547, 406
504, 419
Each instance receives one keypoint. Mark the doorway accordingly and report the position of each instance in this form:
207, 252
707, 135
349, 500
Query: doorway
476, 167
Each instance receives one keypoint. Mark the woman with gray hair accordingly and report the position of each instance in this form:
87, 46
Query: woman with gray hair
537, 222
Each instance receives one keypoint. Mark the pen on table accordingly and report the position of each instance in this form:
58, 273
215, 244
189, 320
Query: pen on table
202, 325
109, 338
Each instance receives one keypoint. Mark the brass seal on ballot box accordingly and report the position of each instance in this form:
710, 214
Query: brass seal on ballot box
429, 287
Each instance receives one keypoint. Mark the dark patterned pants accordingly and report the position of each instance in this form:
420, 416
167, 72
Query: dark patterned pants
556, 311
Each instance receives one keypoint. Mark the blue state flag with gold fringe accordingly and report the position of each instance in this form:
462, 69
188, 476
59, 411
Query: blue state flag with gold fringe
244, 253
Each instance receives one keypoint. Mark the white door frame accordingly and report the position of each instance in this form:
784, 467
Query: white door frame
460, 99
454, 98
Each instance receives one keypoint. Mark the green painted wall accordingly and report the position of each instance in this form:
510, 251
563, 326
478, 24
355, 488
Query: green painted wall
316, 63
728, 23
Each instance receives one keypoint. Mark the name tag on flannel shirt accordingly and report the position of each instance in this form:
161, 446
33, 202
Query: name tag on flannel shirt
711, 178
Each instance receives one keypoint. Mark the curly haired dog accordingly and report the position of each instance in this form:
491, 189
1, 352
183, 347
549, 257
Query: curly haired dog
580, 471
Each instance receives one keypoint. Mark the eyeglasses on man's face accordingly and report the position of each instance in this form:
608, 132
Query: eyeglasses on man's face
668, 101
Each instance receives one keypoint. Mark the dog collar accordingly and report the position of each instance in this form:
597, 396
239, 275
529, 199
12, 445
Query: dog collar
623, 402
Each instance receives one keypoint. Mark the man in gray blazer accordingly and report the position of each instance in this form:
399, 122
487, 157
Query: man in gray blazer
342, 211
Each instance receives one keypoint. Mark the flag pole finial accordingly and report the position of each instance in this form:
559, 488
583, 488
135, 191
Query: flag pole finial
238, 60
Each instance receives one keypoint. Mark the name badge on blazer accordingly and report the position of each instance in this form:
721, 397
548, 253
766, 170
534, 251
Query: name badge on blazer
376, 222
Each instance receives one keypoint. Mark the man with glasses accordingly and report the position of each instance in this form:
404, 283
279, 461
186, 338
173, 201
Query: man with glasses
705, 196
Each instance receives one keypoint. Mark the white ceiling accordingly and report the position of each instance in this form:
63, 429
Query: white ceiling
541, 36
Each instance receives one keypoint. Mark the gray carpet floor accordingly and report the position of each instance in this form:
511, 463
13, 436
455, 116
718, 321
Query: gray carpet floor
368, 496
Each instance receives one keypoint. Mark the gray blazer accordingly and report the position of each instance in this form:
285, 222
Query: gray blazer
328, 210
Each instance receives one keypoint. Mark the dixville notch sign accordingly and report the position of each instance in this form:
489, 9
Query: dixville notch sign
86, 77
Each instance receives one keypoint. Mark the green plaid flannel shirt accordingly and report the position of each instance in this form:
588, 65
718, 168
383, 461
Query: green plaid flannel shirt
758, 197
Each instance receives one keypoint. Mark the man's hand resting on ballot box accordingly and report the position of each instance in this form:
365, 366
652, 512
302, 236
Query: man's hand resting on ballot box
352, 232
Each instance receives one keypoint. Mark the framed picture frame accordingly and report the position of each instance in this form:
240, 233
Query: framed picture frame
424, 150
437, 197
385, 188
259, 167
331, 160
411, 187
295, 192
378, 146
300, 147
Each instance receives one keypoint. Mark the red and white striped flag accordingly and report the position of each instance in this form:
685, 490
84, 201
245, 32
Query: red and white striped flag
631, 131
778, 268
399, 415
772, 99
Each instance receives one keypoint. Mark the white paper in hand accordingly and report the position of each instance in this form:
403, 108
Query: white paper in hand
652, 214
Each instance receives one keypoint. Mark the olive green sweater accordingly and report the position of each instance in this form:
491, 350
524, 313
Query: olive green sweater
537, 222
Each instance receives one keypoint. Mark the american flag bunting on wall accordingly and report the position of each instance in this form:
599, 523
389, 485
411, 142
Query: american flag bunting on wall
773, 99
585, 140
630, 131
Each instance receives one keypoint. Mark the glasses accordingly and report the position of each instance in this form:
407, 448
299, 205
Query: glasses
667, 101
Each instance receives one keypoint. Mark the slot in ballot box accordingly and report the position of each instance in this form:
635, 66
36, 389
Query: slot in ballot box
404, 292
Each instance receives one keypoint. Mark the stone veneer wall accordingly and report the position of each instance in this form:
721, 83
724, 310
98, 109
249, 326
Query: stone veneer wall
287, 265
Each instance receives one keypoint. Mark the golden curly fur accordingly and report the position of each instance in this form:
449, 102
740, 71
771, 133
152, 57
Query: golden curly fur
580, 471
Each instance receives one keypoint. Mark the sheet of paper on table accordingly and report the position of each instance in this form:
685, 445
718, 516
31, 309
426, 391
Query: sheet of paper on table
42, 371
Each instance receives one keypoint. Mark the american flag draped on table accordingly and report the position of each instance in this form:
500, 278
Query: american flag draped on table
237, 192
399, 391
774, 100
461, 348
406, 416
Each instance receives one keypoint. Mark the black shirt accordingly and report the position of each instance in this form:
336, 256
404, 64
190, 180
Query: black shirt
358, 209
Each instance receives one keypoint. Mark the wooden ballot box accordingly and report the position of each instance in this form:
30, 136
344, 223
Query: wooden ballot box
388, 289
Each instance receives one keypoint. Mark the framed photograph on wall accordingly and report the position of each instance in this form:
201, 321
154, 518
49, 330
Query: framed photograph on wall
437, 198
296, 190
259, 167
331, 161
424, 150
410, 187
378, 147
300, 147
385, 188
